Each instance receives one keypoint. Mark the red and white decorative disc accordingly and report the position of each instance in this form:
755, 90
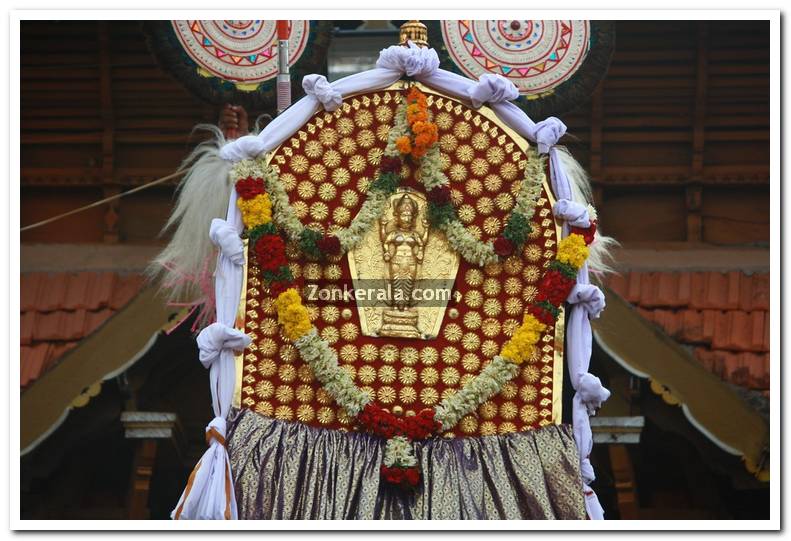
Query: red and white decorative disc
535, 55
239, 51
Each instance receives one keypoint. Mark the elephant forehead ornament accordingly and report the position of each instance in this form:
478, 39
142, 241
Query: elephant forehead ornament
416, 321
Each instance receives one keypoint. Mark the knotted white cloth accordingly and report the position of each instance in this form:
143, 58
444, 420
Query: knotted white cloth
591, 392
413, 61
548, 132
209, 493
393, 63
318, 86
217, 337
573, 213
492, 88
226, 238
587, 303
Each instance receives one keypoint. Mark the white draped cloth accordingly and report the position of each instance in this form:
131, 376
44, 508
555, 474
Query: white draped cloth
209, 494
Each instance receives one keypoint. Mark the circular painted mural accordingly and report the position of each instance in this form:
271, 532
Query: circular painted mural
239, 51
536, 56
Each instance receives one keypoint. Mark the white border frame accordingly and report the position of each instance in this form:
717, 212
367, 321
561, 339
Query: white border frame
677, 11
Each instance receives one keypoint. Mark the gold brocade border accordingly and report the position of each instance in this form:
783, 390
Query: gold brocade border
240, 324
558, 348
557, 365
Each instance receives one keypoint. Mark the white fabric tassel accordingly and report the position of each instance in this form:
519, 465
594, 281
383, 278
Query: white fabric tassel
209, 493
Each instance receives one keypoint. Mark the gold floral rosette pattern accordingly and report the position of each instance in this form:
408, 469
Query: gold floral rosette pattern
326, 168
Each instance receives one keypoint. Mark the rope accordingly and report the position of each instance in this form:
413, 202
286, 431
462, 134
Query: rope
102, 201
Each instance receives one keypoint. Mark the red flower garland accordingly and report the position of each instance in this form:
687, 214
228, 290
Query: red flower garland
404, 477
554, 287
390, 164
270, 250
503, 247
249, 187
588, 233
439, 195
329, 244
386, 425
543, 315
276, 288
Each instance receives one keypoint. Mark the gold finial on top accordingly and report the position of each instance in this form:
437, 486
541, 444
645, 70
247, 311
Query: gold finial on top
413, 31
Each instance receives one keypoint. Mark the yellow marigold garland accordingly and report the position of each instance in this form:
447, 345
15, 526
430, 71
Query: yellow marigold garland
256, 211
520, 347
404, 145
573, 250
292, 314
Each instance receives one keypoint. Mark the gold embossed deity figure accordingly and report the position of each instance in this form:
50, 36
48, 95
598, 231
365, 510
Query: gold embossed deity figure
440, 399
404, 247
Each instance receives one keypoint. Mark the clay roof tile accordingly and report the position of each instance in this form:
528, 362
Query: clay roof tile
27, 324
78, 292
619, 284
33, 359
58, 310
691, 326
102, 291
723, 315
28, 290
754, 294
634, 291
127, 288
52, 292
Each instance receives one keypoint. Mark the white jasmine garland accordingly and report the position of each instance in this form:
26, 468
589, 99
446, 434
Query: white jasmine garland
399, 129
370, 212
323, 361
283, 214
431, 174
470, 248
531, 186
399, 453
481, 388
592, 213
282, 211
246, 168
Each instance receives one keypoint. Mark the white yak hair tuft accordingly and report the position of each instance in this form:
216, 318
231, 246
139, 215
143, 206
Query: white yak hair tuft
202, 196
600, 260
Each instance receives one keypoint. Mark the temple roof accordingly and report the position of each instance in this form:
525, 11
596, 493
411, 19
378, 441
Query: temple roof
60, 309
722, 318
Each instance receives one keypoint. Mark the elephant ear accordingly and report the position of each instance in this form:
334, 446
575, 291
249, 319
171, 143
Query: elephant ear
556, 65
235, 61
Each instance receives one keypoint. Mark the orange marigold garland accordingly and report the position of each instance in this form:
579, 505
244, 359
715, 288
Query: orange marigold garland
424, 132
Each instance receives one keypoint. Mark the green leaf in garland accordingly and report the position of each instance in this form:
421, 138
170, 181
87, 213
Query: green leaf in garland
549, 307
283, 274
517, 229
307, 242
440, 214
565, 269
260, 230
386, 183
